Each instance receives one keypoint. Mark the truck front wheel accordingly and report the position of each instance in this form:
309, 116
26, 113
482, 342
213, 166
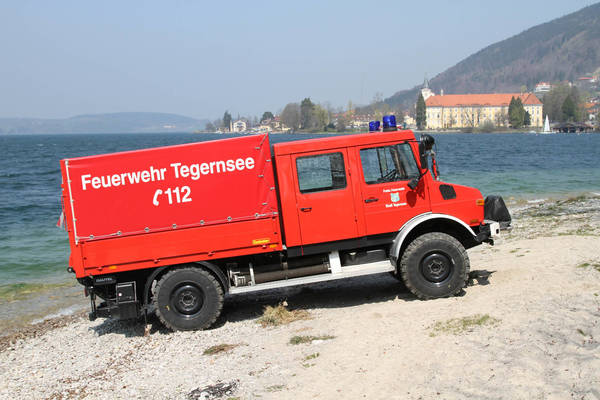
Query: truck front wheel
188, 299
434, 265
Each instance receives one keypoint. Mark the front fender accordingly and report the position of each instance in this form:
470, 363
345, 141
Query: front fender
413, 223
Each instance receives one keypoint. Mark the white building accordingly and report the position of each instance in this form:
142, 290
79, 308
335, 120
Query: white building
239, 126
542, 87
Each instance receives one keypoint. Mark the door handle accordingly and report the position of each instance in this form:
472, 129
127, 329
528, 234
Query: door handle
371, 200
305, 209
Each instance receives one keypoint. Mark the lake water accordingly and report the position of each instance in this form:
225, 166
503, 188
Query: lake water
34, 252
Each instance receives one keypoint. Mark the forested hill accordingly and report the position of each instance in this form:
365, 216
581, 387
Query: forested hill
124, 122
562, 49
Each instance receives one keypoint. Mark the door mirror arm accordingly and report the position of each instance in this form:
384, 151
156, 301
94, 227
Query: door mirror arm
414, 182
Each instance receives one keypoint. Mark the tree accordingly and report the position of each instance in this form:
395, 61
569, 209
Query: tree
377, 98
266, 115
226, 120
555, 100
471, 117
320, 117
451, 121
306, 113
487, 126
568, 109
527, 119
421, 113
516, 113
341, 123
290, 116
501, 118
209, 127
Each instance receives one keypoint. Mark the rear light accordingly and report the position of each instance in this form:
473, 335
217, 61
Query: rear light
480, 202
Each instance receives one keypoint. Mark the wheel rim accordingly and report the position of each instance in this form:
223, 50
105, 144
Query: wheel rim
436, 267
187, 299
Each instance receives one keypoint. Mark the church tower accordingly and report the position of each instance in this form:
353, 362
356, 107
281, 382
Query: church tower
425, 91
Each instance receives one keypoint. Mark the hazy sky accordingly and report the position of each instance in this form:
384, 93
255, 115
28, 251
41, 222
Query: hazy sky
200, 58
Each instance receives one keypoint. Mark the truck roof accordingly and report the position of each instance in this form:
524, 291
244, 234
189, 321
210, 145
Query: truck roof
301, 146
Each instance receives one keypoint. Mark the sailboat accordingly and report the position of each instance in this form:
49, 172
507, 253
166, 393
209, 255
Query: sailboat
546, 126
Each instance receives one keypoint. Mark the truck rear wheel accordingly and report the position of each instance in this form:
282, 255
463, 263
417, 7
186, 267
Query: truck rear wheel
188, 299
434, 265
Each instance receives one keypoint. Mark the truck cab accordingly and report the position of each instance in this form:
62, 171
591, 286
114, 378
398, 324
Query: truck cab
357, 188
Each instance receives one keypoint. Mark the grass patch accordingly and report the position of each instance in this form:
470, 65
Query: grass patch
586, 230
275, 388
594, 265
311, 356
456, 326
306, 363
309, 338
280, 315
514, 250
219, 348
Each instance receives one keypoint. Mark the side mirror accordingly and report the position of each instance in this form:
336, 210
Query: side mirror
425, 145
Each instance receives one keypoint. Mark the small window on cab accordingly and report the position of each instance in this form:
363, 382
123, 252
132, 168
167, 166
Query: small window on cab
388, 164
321, 172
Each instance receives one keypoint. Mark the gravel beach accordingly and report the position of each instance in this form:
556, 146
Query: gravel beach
531, 330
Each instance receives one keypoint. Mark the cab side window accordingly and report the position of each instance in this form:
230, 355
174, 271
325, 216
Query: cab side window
388, 164
321, 172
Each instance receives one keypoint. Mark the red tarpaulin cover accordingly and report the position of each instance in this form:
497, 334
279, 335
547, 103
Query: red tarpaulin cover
171, 187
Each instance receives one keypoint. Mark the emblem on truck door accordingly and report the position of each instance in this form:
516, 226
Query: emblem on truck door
395, 197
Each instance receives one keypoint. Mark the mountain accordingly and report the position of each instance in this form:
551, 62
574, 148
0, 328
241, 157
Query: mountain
562, 49
126, 122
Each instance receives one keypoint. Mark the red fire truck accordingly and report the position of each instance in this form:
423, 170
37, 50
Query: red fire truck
175, 229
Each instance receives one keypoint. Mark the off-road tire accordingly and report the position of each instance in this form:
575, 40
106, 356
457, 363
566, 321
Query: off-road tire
435, 265
188, 298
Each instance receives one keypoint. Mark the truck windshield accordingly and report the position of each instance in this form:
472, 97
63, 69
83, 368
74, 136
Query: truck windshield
388, 163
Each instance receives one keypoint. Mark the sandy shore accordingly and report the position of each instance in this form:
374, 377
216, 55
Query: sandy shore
532, 332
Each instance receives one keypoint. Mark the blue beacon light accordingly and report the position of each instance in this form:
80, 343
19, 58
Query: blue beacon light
389, 123
373, 126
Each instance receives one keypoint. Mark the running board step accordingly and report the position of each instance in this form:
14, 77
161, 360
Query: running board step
346, 272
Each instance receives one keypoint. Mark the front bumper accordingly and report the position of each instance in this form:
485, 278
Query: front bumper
490, 230
497, 219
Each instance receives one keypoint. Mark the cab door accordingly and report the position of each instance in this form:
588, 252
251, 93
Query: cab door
324, 196
388, 202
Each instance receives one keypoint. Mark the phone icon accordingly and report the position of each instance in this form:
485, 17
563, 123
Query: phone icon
155, 199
